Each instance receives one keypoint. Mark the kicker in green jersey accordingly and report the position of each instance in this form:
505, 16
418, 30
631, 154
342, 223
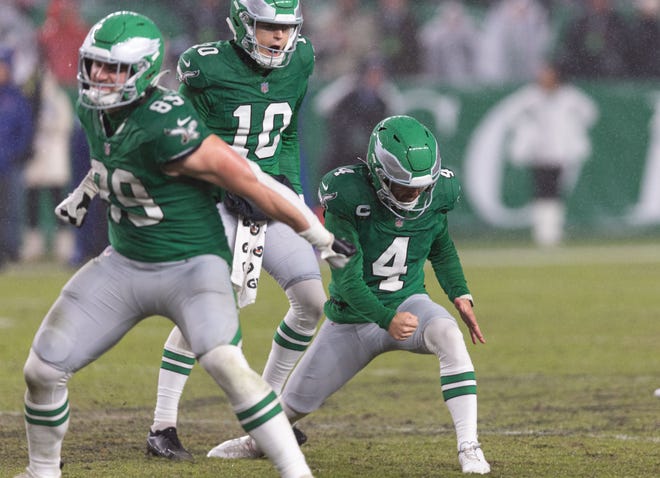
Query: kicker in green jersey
252, 108
176, 217
392, 252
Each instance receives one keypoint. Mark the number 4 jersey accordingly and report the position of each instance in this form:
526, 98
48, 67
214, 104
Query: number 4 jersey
389, 265
153, 217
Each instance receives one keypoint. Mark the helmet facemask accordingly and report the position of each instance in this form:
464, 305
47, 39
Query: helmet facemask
103, 95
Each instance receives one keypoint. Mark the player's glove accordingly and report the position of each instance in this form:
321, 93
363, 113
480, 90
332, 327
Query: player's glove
74, 208
337, 252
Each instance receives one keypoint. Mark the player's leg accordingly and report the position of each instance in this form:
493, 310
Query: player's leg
337, 354
203, 306
177, 362
71, 336
175, 367
46, 416
292, 262
439, 334
258, 409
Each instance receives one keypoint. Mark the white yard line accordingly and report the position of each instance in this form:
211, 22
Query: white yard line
573, 255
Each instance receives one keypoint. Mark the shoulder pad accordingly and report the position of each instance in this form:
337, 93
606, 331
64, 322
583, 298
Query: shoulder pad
447, 191
169, 113
195, 62
339, 189
305, 52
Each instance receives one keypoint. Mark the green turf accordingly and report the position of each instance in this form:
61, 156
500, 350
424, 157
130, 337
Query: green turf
566, 380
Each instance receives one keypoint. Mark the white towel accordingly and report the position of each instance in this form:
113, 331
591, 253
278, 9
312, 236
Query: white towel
248, 254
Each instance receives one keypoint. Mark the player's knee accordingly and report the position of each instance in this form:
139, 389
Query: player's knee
229, 368
441, 336
307, 299
44, 382
224, 362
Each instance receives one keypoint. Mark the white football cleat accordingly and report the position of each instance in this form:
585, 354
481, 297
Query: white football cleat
472, 459
243, 447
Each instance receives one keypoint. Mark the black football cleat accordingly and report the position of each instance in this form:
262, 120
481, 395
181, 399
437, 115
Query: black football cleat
165, 443
301, 438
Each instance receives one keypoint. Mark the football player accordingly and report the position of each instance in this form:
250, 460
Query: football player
153, 161
248, 91
394, 208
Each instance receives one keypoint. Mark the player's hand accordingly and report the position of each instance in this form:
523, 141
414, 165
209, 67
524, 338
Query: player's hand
336, 251
464, 307
403, 325
74, 208
338, 254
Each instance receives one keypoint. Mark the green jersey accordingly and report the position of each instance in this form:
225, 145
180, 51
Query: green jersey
255, 110
391, 253
153, 217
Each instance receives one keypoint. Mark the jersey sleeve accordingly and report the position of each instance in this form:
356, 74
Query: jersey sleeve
178, 129
447, 266
443, 255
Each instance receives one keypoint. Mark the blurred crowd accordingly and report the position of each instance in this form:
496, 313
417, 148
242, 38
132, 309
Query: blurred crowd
362, 46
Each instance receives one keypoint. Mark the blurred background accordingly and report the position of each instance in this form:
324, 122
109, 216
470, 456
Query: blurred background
547, 110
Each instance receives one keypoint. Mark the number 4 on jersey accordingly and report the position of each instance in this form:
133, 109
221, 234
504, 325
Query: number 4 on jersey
391, 264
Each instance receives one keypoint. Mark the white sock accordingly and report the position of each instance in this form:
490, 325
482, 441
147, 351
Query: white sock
463, 411
45, 426
295, 332
276, 439
289, 343
172, 377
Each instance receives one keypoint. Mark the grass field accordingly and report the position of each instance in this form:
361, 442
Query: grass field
566, 380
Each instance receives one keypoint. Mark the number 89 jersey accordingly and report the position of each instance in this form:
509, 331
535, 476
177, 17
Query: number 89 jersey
389, 265
153, 217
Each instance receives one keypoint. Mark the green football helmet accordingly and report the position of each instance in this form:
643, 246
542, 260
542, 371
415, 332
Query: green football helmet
243, 18
124, 41
403, 151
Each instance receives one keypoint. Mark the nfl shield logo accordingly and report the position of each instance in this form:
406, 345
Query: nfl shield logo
106, 148
398, 222
264, 87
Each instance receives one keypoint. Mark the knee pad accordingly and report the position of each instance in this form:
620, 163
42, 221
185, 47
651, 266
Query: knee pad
444, 339
229, 368
306, 299
45, 384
